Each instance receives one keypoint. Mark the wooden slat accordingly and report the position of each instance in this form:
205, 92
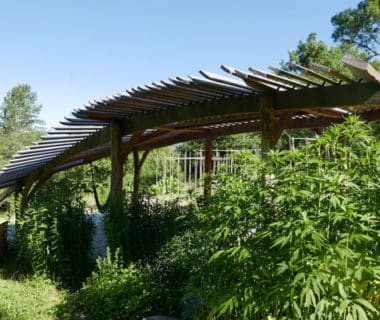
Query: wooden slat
222, 87
294, 84
290, 75
325, 113
331, 72
312, 73
223, 79
165, 128
258, 85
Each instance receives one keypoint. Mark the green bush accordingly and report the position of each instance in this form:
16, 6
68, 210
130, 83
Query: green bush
141, 227
297, 236
54, 233
170, 271
113, 292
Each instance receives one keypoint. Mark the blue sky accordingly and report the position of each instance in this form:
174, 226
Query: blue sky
74, 51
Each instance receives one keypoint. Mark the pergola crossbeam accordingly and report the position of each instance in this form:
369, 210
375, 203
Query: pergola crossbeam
185, 108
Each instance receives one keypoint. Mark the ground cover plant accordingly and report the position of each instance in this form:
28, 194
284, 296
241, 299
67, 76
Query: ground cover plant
296, 236
29, 298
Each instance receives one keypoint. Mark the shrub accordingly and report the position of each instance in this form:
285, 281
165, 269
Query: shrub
170, 271
112, 292
296, 237
54, 233
141, 227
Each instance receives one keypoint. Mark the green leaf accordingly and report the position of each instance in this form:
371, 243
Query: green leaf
298, 277
341, 291
343, 306
216, 255
361, 314
367, 305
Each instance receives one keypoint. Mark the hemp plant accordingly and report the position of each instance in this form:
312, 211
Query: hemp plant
297, 236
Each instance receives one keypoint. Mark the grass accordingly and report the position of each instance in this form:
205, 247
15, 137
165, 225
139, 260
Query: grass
30, 298
25, 296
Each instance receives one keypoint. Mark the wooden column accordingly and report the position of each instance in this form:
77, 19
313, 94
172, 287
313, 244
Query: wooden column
138, 163
268, 133
136, 176
208, 166
117, 161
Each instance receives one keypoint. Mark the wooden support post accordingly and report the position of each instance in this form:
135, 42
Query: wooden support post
138, 163
208, 166
281, 125
267, 125
136, 176
117, 161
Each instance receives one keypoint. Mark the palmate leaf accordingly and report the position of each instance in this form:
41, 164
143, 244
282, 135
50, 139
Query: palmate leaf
216, 255
282, 241
341, 290
344, 305
367, 305
359, 312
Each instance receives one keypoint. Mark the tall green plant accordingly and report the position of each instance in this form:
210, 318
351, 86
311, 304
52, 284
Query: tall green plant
54, 233
141, 227
297, 237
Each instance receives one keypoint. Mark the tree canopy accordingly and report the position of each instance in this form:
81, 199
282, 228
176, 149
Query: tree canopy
359, 27
19, 111
19, 122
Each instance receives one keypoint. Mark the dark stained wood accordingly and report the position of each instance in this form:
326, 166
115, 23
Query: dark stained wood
132, 142
6, 193
267, 122
117, 168
280, 126
208, 166
138, 163
328, 113
358, 94
136, 176
184, 129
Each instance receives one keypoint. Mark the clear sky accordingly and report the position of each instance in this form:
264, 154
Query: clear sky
74, 51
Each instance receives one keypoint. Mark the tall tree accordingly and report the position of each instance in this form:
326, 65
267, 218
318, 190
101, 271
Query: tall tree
19, 122
19, 110
359, 27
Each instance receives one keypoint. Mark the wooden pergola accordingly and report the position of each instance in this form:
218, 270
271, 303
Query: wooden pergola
182, 109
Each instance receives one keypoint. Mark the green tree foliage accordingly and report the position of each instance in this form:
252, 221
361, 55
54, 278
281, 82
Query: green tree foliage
19, 123
19, 111
297, 237
359, 27
317, 51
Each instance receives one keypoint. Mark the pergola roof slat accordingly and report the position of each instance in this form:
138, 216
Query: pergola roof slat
312, 73
184, 108
290, 75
